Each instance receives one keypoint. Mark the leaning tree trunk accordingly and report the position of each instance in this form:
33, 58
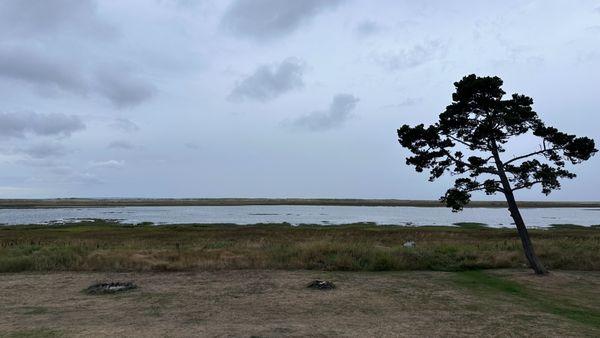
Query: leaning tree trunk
533, 260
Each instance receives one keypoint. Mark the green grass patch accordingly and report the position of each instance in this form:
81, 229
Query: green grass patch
34, 310
33, 333
471, 225
566, 226
488, 285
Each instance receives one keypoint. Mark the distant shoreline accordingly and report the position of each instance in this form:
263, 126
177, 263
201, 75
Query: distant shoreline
138, 202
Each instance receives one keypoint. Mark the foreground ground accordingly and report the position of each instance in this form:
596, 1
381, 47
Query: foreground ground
267, 303
228, 280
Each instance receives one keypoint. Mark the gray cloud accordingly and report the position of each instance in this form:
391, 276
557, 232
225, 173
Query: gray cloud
412, 57
45, 150
124, 125
44, 163
270, 81
35, 68
68, 175
109, 164
53, 172
270, 19
32, 18
367, 28
117, 83
22, 123
408, 102
122, 87
338, 113
38, 154
594, 29
51, 46
121, 144
192, 145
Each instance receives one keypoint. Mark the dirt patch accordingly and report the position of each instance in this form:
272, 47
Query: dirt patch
272, 303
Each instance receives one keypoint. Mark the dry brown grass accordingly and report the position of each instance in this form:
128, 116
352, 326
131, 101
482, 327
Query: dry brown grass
276, 303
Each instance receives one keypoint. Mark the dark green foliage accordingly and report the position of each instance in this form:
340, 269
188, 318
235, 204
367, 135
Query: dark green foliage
471, 225
475, 127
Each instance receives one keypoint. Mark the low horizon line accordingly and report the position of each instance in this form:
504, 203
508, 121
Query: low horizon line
67, 202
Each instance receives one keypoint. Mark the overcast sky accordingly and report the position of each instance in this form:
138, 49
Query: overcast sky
271, 98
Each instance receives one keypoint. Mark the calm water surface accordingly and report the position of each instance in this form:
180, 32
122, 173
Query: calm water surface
302, 215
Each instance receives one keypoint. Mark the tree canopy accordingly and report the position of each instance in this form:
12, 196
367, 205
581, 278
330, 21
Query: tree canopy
475, 128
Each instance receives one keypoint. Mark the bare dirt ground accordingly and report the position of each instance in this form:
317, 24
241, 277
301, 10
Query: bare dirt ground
248, 303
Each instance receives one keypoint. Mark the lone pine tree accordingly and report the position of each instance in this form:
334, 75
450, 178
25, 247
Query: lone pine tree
470, 138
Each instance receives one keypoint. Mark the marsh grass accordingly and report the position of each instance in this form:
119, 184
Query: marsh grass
106, 246
568, 226
471, 225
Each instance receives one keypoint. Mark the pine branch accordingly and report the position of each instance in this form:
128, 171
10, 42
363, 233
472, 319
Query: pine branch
526, 185
531, 154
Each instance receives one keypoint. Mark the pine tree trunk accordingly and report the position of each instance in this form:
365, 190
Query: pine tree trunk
532, 258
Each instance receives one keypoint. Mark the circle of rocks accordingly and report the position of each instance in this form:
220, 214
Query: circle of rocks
321, 285
109, 288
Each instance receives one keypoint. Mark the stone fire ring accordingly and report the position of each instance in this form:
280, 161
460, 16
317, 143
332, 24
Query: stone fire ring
109, 288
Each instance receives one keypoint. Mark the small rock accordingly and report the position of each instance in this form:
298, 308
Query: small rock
110, 287
321, 285
409, 244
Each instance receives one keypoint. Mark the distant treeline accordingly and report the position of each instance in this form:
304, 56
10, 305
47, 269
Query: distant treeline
123, 202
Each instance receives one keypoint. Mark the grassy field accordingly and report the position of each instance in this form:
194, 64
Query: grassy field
231, 280
105, 246
122, 202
